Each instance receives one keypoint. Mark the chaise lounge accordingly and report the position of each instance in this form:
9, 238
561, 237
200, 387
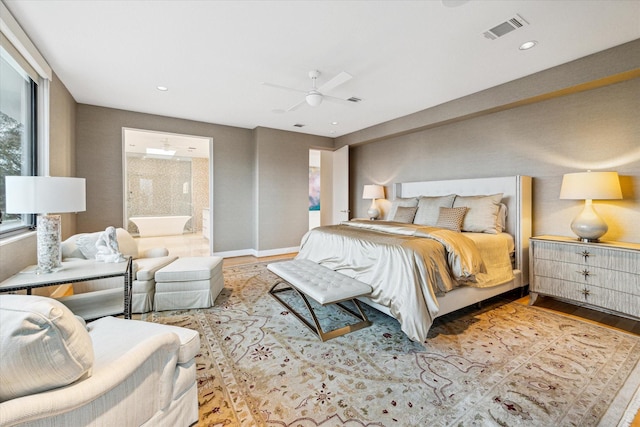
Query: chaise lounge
55, 370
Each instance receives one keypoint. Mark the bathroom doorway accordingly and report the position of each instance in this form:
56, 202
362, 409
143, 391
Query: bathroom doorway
167, 182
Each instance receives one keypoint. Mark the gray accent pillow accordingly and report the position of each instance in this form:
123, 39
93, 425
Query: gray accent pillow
405, 214
482, 216
451, 218
429, 209
409, 202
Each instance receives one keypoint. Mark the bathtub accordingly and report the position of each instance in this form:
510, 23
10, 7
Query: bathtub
160, 225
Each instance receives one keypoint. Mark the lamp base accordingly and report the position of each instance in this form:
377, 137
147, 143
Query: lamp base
48, 236
586, 240
588, 225
373, 210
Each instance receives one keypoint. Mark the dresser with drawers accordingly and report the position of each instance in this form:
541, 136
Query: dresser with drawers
602, 275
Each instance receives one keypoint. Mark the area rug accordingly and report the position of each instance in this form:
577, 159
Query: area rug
505, 365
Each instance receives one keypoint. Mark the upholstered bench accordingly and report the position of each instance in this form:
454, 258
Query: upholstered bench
189, 282
323, 285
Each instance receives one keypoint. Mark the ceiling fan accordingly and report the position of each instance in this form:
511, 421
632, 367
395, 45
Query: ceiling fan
316, 95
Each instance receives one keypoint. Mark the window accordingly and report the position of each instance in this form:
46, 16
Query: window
18, 140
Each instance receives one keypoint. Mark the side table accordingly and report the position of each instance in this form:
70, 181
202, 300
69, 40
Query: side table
78, 271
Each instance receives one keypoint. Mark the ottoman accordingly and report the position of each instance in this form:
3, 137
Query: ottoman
190, 282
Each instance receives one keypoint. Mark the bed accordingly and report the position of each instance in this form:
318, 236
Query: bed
418, 271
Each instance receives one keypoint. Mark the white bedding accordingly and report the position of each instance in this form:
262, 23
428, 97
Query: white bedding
408, 265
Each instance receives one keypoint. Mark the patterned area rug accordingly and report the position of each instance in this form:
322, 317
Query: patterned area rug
504, 365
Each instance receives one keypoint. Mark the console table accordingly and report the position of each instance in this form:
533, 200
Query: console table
79, 271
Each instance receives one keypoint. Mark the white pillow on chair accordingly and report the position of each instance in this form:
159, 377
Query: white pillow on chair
44, 346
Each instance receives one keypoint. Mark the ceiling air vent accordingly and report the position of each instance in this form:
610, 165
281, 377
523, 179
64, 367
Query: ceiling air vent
505, 27
298, 125
354, 99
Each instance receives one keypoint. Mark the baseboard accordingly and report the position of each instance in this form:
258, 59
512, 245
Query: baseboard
256, 253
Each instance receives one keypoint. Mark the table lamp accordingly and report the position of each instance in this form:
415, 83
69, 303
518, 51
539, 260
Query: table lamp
589, 186
373, 192
43, 195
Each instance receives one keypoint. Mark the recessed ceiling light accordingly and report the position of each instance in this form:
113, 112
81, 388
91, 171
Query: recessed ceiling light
162, 88
334, 123
528, 45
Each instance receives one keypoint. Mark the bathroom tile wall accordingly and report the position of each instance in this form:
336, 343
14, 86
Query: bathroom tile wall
162, 187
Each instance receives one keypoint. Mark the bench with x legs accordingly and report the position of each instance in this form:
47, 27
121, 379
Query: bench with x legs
323, 285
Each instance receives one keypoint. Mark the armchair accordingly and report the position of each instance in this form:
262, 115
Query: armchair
57, 370
145, 265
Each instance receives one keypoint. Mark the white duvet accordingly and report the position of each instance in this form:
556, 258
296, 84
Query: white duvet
406, 265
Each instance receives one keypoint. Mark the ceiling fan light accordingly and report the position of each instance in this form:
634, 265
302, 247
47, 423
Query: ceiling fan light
314, 98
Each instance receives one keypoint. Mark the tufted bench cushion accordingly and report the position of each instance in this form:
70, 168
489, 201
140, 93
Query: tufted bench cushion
323, 285
320, 283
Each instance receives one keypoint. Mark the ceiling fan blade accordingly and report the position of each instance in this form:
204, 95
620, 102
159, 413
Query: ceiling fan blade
341, 78
336, 99
298, 105
283, 87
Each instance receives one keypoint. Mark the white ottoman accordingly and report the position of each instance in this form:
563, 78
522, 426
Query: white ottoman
190, 282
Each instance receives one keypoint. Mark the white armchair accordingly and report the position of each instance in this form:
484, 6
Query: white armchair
145, 265
57, 371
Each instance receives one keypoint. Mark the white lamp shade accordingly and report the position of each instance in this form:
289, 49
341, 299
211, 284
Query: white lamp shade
373, 191
44, 194
591, 186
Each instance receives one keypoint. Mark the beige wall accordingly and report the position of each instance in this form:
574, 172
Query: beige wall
282, 186
591, 129
99, 160
259, 177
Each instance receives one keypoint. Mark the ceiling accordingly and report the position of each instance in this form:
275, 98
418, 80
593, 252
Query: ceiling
404, 56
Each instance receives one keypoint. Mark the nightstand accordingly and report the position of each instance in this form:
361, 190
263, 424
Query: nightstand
604, 275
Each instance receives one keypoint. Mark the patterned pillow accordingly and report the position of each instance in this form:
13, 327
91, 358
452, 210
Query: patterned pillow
405, 214
451, 218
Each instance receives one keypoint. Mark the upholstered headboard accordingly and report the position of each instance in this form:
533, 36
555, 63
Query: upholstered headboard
516, 196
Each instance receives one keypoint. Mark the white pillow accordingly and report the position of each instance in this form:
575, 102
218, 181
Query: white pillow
482, 216
44, 346
429, 209
410, 202
126, 243
87, 244
70, 249
502, 217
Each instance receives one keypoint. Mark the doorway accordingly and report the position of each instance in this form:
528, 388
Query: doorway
328, 182
167, 181
315, 188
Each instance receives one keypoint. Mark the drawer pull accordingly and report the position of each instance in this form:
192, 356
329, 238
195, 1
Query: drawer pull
585, 254
585, 292
585, 273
